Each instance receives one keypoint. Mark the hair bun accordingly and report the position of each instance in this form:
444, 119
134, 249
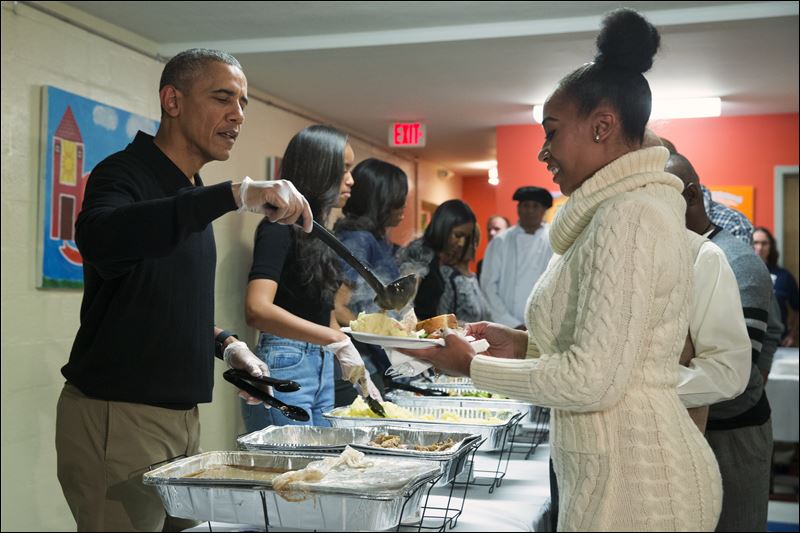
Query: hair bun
627, 41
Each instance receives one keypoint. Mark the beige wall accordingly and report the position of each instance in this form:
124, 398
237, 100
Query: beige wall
38, 326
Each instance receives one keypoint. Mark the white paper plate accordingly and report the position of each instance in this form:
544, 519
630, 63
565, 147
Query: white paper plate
407, 343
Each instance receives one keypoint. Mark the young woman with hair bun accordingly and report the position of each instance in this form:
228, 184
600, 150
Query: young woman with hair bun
608, 318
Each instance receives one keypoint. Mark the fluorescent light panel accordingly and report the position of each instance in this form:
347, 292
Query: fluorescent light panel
670, 108
494, 178
686, 108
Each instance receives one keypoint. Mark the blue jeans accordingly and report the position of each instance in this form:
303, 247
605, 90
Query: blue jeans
307, 364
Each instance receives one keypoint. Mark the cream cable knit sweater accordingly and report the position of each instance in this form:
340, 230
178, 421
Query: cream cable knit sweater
607, 323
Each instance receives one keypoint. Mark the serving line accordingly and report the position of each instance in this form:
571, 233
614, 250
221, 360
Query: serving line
521, 504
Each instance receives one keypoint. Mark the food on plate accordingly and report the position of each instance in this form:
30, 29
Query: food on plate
383, 324
380, 324
385, 440
359, 409
434, 327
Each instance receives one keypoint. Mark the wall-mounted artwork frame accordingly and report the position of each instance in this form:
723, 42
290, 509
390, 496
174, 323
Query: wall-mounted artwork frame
76, 134
739, 197
274, 167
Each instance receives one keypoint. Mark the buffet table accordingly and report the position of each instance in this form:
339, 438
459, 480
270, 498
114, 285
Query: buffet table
517, 504
783, 385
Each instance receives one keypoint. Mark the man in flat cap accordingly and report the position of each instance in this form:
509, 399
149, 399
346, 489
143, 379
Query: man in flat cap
516, 258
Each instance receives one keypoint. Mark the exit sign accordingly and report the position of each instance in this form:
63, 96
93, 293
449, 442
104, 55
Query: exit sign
407, 134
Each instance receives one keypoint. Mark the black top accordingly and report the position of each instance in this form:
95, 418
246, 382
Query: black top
430, 292
420, 259
275, 258
147, 316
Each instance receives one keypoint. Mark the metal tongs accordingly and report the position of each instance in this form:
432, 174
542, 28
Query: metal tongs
244, 381
374, 405
392, 384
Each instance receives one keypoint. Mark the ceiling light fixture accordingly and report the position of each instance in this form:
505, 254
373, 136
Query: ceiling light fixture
686, 108
669, 108
494, 177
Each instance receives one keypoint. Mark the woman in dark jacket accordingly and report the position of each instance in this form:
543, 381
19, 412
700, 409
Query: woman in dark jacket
441, 258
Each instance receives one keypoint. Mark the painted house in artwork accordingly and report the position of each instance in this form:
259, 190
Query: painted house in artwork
68, 179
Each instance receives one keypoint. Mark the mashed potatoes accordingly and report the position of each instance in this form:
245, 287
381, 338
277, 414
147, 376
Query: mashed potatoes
379, 324
360, 409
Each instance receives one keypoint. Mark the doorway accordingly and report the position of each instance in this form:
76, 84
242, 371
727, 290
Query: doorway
787, 233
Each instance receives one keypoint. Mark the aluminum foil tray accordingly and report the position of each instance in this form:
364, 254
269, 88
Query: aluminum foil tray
407, 399
305, 439
332, 441
345, 500
494, 433
444, 382
451, 461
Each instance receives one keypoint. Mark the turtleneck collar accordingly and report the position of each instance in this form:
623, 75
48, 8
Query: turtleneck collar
632, 171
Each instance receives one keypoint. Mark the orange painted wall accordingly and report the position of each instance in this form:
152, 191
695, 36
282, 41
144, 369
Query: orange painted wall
740, 150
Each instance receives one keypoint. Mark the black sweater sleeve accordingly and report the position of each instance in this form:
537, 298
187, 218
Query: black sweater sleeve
121, 225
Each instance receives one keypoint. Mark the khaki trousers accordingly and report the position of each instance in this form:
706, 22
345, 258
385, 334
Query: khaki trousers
103, 449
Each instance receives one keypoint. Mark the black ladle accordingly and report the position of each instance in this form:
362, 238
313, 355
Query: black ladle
290, 411
395, 295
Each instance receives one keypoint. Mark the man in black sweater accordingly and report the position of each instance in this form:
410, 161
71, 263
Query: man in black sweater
143, 356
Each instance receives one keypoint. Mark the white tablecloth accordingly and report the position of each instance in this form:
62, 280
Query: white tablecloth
782, 391
516, 505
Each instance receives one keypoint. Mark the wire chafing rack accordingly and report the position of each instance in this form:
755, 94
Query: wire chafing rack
530, 436
499, 439
439, 517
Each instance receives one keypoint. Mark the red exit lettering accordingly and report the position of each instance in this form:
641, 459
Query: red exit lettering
407, 134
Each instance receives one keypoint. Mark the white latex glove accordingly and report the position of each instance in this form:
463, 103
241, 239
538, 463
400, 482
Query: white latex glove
353, 369
279, 200
367, 388
238, 355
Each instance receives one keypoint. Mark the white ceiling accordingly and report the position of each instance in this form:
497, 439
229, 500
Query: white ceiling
465, 67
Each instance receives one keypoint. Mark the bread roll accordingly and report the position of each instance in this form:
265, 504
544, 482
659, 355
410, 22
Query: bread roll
438, 323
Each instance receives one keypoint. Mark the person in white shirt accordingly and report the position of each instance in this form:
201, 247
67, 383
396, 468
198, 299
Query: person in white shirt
516, 258
494, 226
720, 368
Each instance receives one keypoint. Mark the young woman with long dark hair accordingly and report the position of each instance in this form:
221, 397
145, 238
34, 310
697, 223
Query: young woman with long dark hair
293, 281
441, 258
377, 203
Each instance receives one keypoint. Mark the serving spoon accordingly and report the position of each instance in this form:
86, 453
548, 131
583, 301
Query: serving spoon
395, 295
